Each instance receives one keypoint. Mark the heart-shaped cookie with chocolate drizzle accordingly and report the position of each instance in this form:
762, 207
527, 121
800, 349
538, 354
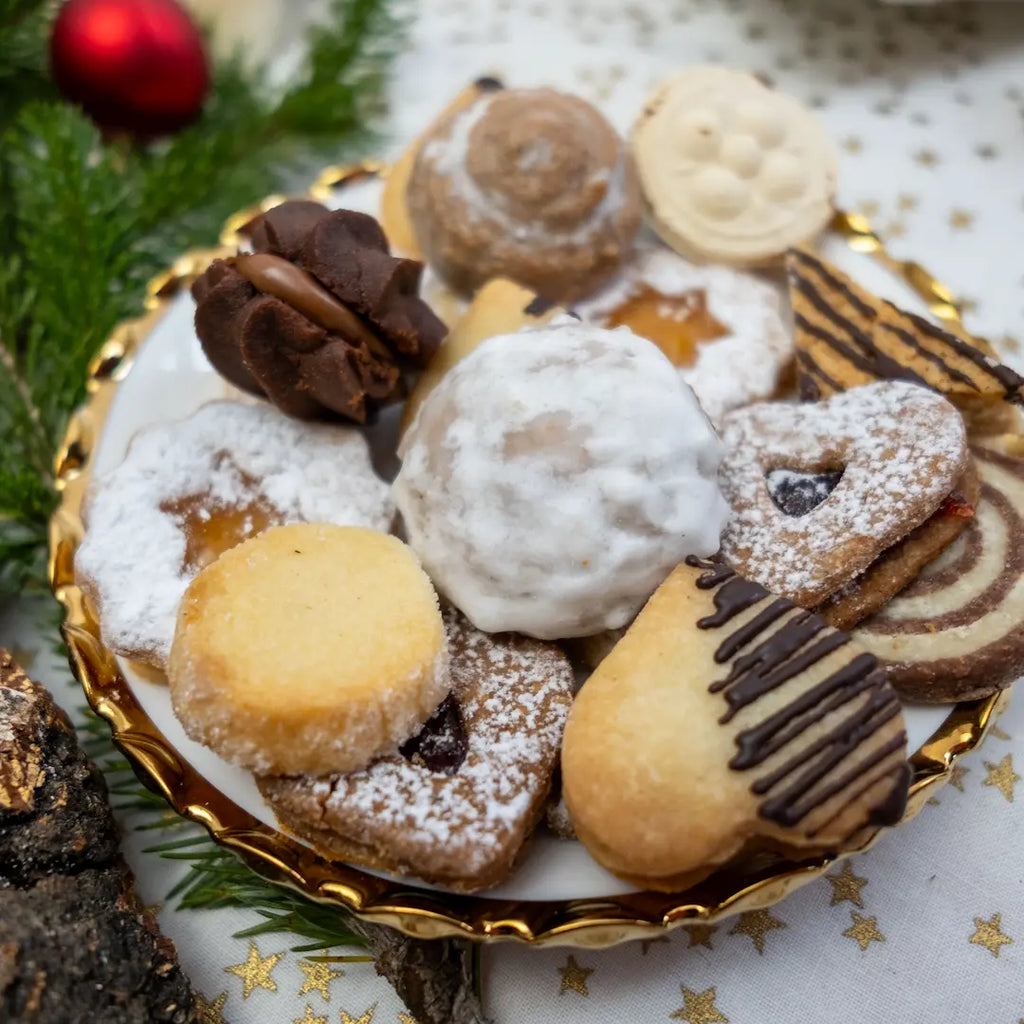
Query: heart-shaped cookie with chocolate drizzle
851, 477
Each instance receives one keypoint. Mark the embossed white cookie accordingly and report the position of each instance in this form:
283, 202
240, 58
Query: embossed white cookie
732, 171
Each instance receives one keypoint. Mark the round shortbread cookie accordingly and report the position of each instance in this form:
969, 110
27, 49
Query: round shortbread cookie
732, 171
311, 648
189, 489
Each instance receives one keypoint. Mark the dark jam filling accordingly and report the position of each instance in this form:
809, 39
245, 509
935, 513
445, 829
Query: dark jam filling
797, 493
441, 745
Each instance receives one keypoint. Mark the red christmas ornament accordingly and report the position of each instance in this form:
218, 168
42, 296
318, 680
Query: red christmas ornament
132, 65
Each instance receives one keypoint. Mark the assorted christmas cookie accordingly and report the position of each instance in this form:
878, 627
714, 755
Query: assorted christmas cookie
886, 456
726, 722
500, 307
845, 336
455, 804
554, 477
957, 632
310, 648
529, 184
732, 171
320, 318
188, 490
721, 327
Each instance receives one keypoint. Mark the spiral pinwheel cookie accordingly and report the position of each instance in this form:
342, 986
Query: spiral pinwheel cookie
957, 632
310, 648
721, 327
189, 490
725, 722
554, 477
732, 172
886, 456
456, 803
845, 336
529, 184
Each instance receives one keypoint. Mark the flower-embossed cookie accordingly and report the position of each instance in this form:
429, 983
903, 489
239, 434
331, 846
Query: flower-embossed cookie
895, 451
957, 632
728, 721
457, 803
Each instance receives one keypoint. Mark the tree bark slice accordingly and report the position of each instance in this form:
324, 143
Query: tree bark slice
75, 943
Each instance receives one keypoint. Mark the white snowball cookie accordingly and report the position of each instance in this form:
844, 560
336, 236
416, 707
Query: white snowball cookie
555, 477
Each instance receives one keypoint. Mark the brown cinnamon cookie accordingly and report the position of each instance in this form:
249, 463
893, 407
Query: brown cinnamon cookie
893, 569
457, 803
726, 722
845, 337
957, 632
891, 453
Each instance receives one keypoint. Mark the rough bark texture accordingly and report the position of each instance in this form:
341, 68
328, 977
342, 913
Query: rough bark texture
75, 943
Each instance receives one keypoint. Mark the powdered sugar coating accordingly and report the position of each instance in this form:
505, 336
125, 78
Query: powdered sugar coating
742, 366
466, 828
554, 478
902, 449
132, 559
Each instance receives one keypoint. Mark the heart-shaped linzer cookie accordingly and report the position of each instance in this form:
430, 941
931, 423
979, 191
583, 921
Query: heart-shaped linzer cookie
900, 449
726, 722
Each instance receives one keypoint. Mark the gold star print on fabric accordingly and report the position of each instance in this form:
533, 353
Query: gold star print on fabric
574, 977
211, 1013
926, 158
1000, 734
1002, 776
956, 776
318, 978
407, 1018
310, 1017
870, 208
756, 924
365, 1019
906, 202
256, 971
852, 144
645, 944
864, 930
846, 886
990, 934
25, 657
960, 220
699, 1008
700, 934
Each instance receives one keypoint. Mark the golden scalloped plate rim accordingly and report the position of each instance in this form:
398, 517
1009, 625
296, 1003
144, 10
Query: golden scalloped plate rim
592, 922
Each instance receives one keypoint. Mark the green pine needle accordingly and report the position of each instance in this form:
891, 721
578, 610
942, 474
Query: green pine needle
86, 221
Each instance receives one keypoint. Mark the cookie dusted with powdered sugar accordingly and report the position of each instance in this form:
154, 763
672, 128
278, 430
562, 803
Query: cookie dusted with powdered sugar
554, 477
457, 803
190, 489
728, 722
895, 452
722, 328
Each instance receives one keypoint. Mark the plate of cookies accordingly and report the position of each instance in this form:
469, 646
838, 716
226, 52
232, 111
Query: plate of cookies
549, 535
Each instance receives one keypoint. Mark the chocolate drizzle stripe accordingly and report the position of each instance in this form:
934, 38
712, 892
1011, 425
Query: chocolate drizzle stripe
789, 647
819, 268
910, 341
898, 776
812, 369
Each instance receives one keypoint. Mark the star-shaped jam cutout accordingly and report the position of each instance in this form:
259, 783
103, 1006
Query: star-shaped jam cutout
990, 934
756, 924
864, 930
256, 971
699, 1008
1002, 776
846, 886
574, 977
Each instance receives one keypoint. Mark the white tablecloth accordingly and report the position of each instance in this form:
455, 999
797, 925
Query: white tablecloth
927, 107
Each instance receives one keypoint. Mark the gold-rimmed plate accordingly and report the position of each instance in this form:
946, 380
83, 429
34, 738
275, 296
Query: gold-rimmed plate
152, 369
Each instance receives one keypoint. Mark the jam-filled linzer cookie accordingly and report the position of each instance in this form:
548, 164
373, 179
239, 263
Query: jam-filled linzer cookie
310, 648
726, 722
555, 476
721, 327
529, 184
887, 456
845, 337
957, 632
320, 319
188, 490
456, 803
732, 172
